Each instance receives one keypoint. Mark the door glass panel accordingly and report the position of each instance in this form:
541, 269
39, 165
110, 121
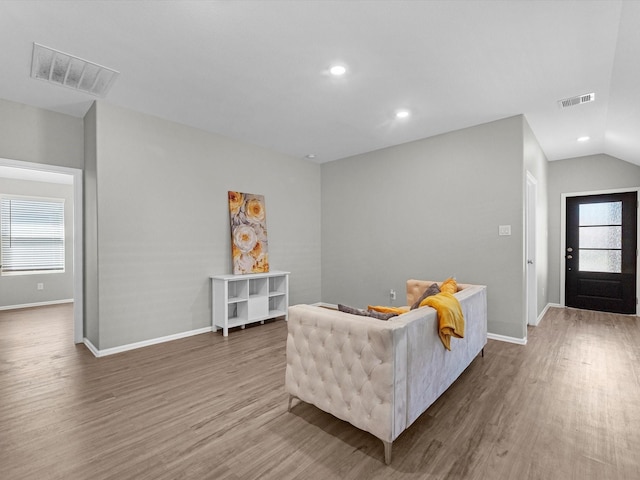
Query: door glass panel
605, 213
608, 261
601, 237
601, 229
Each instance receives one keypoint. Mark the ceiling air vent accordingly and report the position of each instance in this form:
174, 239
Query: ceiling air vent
70, 71
570, 102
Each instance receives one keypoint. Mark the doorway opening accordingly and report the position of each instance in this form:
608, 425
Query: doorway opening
41, 172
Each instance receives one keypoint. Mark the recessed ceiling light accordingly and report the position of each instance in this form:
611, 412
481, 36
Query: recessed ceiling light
583, 139
338, 70
402, 113
311, 156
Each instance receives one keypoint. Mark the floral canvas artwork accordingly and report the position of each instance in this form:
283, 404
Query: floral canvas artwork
249, 246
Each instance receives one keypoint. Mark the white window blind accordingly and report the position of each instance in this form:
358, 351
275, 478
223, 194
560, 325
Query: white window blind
32, 235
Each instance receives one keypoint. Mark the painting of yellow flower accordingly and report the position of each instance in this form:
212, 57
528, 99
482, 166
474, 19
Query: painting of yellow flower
249, 246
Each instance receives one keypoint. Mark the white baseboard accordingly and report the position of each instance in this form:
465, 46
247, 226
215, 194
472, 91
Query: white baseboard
37, 304
91, 347
146, 343
504, 338
523, 341
544, 311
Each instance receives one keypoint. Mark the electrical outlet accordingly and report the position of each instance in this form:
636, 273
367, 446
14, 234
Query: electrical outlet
392, 294
504, 230
40, 286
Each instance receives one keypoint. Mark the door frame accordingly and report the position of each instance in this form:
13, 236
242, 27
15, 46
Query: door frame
531, 232
563, 236
78, 239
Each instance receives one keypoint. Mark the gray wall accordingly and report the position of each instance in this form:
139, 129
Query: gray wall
579, 175
426, 209
429, 209
162, 225
34, 135
16, 290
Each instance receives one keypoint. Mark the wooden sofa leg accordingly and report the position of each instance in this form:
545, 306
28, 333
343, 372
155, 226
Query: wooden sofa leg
290, 401
387, 452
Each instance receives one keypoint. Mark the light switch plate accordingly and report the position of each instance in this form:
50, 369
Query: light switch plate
504, 230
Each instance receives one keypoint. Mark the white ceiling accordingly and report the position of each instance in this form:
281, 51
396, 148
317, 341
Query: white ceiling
257, 70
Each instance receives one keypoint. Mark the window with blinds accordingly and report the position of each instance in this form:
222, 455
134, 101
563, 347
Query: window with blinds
32, 235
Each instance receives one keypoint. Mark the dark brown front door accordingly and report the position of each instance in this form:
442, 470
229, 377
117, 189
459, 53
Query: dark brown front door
600, 256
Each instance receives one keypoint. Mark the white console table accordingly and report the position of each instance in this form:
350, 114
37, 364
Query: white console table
237, 300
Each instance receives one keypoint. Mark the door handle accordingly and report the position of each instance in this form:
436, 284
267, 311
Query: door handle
530, 262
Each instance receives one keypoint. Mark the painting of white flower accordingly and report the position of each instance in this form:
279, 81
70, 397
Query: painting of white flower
249, 246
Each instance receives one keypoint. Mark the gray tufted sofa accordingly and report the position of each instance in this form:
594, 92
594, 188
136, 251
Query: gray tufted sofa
379, 375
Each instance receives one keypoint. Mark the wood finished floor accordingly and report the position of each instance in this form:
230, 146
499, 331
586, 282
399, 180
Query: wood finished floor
566, 406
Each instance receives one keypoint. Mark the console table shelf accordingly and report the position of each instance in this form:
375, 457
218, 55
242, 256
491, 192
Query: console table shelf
237, 300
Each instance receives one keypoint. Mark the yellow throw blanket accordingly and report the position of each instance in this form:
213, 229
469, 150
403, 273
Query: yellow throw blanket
383, 309
450, 317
